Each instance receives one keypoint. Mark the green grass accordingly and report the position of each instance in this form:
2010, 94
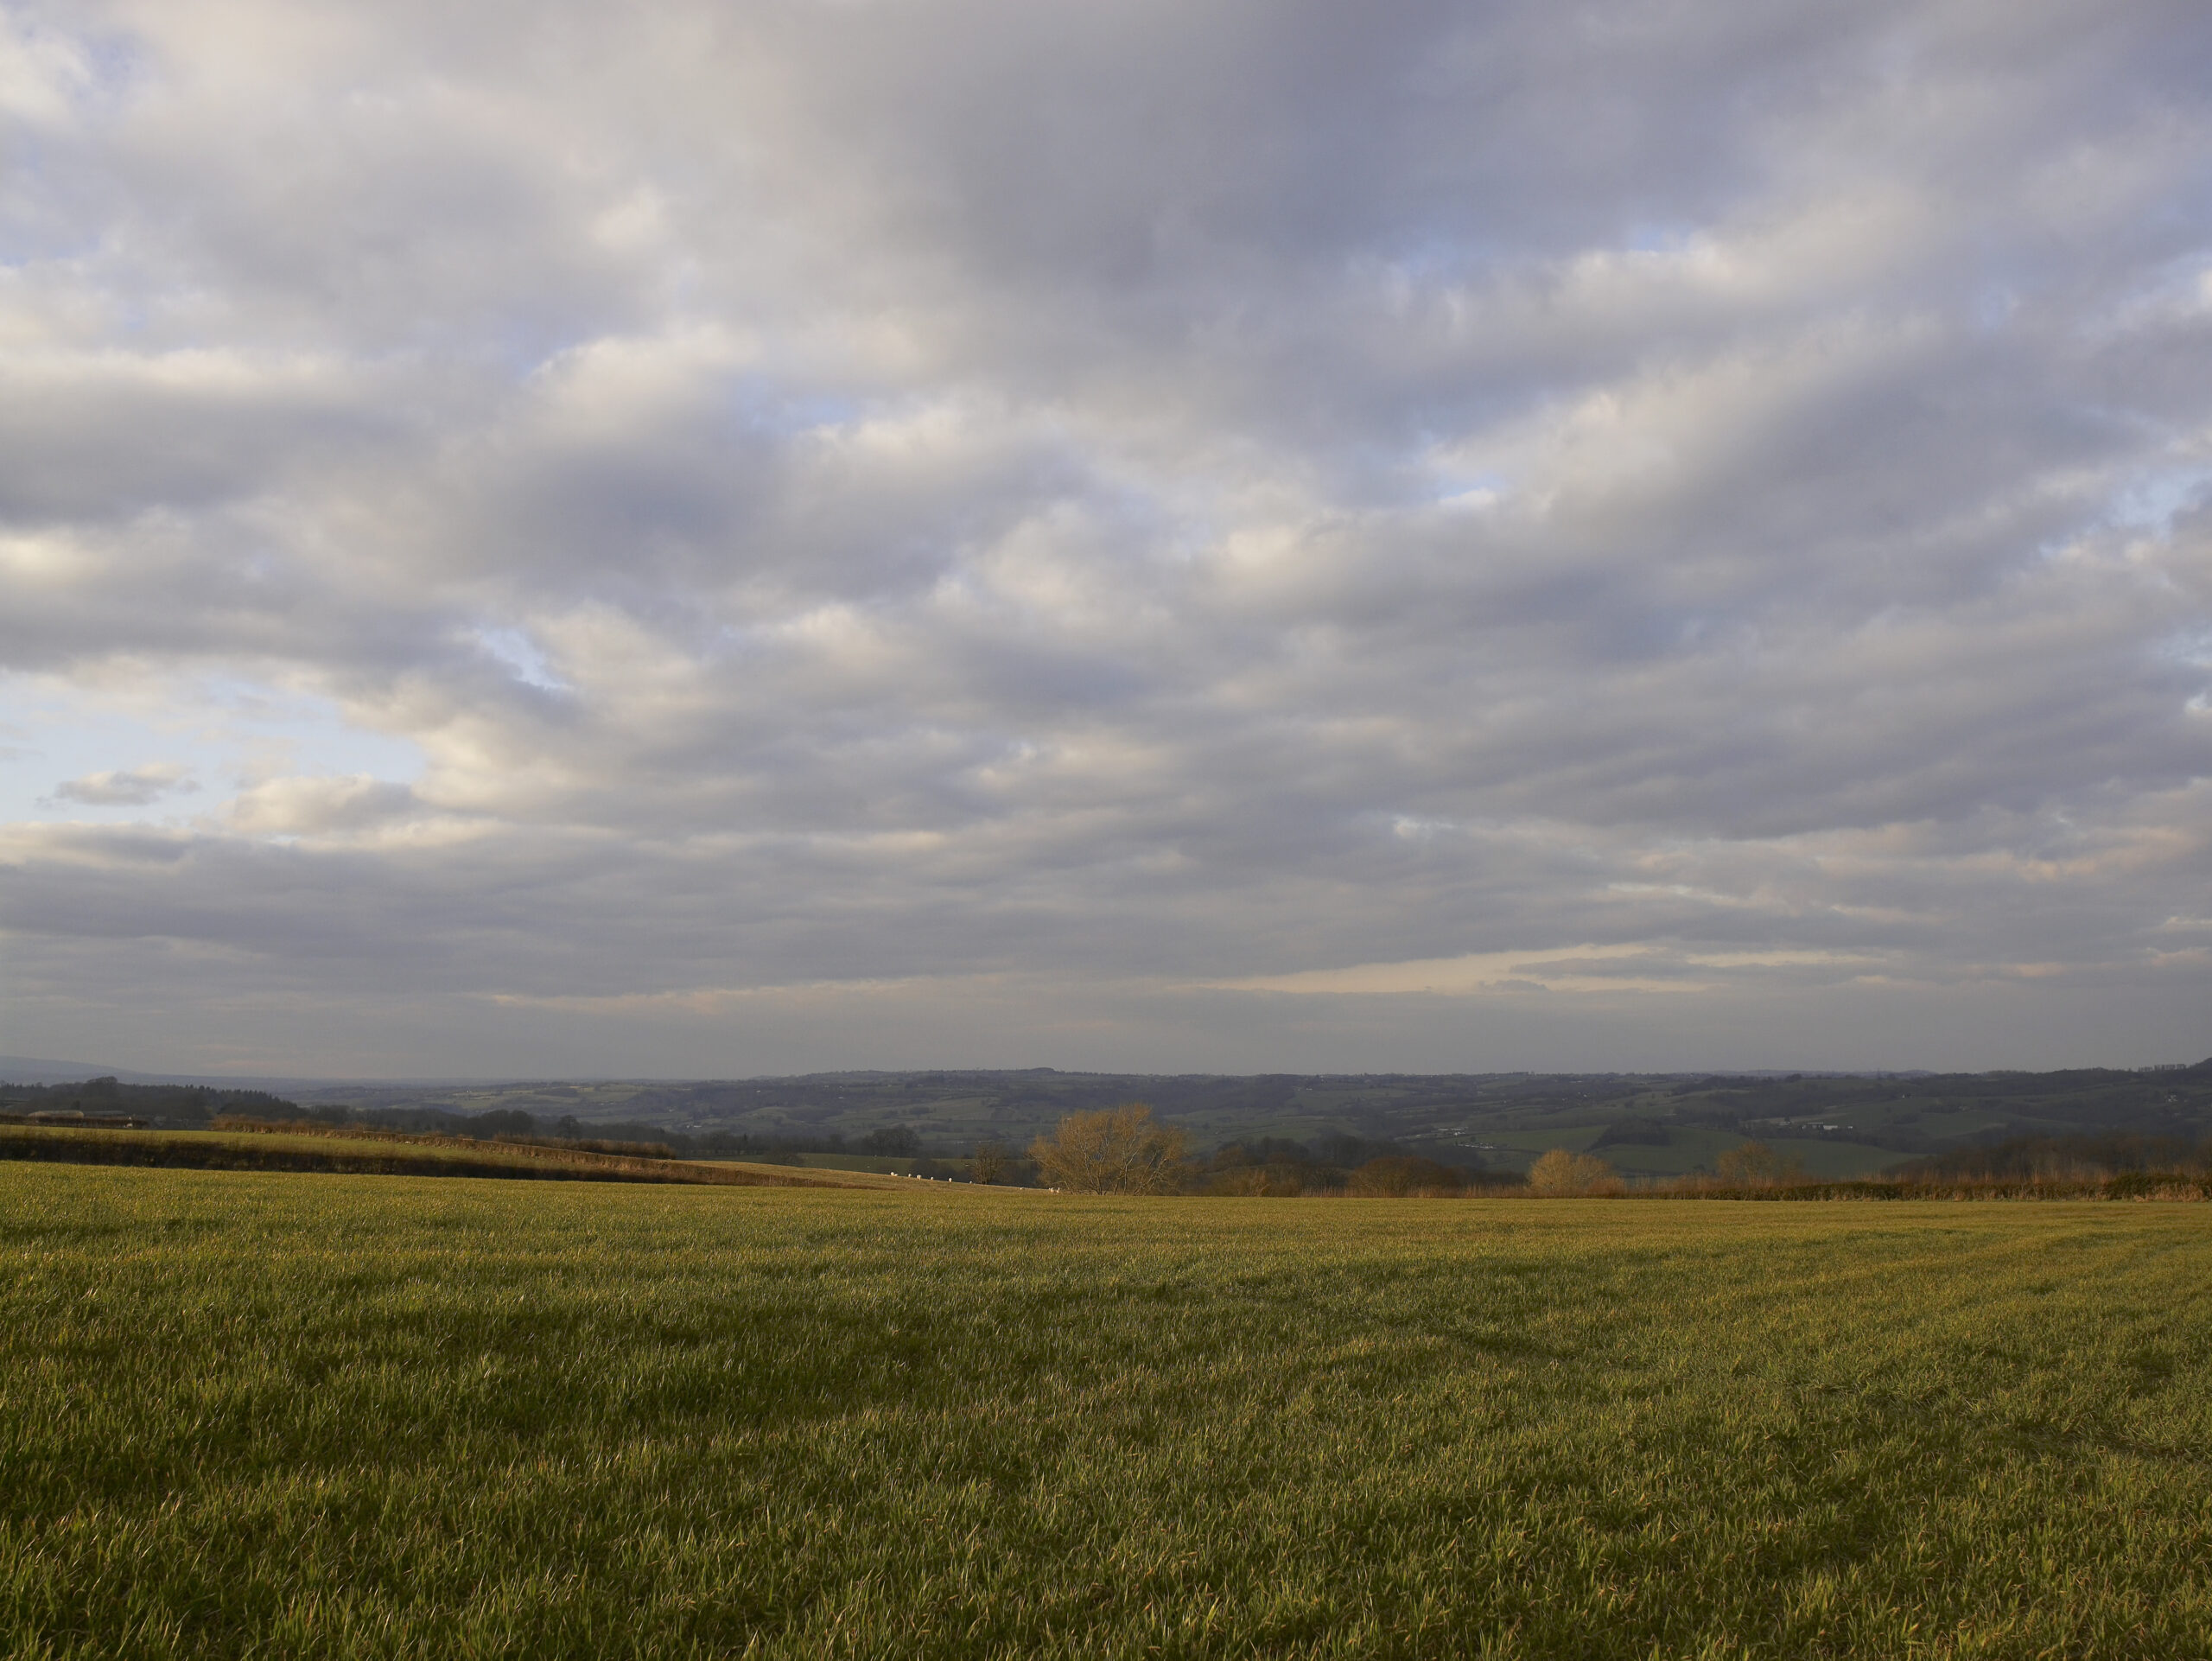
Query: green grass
267, 1414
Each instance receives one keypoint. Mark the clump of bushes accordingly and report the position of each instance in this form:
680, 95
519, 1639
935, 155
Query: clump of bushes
1755, 1165
1407, 1176
1559, 1172
2068, 1159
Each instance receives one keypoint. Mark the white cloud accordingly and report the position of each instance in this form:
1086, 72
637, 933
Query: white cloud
42, 74
311, 806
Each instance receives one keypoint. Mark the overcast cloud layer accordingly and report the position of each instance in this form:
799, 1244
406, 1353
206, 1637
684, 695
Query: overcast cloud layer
716, 538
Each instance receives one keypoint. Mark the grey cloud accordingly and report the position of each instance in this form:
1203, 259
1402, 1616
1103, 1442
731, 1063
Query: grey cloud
87, 437
137, 787
1129, 497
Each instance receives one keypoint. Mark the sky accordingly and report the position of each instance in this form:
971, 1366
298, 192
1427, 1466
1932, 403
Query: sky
699, 539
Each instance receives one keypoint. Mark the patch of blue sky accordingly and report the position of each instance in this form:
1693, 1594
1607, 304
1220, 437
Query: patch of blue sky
110, 66
2192, 648
2176, 288
1467, 489
523, 657
1659, 236
1430, 261
1994, 306
516, 345
203, 739
766, 404
2155, 499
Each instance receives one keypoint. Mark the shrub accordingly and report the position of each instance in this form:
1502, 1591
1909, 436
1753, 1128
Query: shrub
1119, 1150
1403, 1174
1561, 1172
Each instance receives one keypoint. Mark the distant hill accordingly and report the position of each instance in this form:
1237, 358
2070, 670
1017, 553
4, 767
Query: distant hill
31, 1070
28, 1070
1835, 1124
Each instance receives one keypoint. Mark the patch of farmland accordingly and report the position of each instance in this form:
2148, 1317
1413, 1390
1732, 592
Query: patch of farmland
1574, 1137
1839, 1161
1687, 1149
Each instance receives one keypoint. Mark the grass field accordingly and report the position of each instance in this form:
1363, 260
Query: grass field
269, 1414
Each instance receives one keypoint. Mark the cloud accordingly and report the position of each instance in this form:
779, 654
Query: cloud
1167, 526
1639, 968
138, 787
302, 807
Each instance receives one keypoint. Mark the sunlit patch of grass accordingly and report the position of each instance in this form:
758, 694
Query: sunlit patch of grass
270, 1414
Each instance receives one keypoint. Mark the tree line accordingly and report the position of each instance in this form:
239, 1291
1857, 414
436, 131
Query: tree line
1123, 1149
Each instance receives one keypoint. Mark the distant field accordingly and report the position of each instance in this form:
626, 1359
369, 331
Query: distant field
316, 1415
1838, 1160
360, 1152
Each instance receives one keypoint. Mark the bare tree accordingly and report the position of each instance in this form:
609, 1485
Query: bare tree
991, 1161
1756, 1165
1119, 1150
